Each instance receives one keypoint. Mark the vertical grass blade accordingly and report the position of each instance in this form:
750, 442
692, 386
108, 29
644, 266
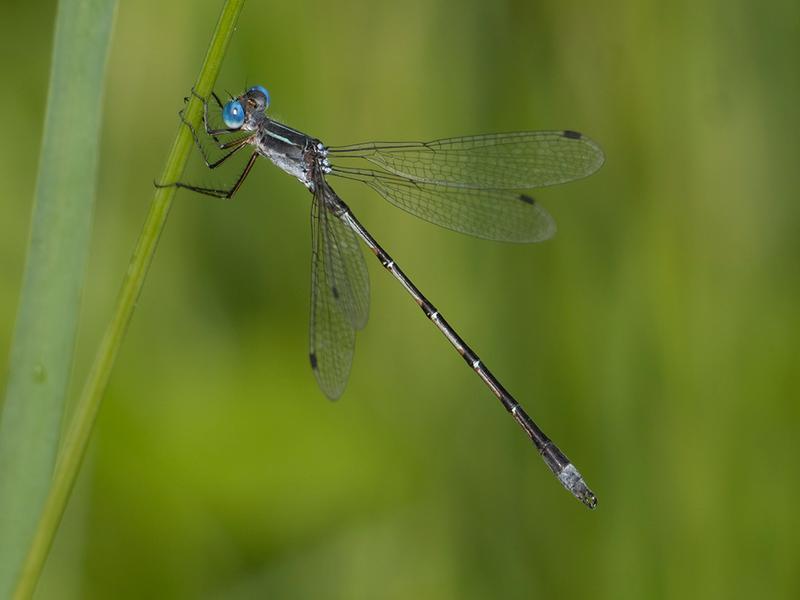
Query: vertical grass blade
79, 430
44, 335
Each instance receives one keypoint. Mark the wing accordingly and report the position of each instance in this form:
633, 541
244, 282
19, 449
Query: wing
500, 161
501, 215
339, 298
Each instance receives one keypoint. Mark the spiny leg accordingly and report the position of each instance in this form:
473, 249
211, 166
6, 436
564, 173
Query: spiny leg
205, 120
216, 193
235, 144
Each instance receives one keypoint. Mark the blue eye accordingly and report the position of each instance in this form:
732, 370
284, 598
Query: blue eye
233, 114
263, 90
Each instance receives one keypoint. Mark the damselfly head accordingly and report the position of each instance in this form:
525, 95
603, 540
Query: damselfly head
239, 113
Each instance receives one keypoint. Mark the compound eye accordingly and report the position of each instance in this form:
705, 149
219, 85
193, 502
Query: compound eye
233, 114
263, 91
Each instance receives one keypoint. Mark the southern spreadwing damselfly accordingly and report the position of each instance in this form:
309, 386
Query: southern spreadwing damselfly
471, 184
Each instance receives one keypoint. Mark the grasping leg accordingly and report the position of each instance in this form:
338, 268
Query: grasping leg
216, 193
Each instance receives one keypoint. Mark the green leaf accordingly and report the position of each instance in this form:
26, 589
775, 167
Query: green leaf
44, 336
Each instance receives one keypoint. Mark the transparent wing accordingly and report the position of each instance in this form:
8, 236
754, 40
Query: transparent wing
346, 270
339, 298
501, 215
519, 160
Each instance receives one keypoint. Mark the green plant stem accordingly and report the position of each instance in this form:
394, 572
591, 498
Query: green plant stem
78, 433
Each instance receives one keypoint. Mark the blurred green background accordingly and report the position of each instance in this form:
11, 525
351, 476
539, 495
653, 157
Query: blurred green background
655, 338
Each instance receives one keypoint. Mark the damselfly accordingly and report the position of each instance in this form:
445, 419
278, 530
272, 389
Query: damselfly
469, 184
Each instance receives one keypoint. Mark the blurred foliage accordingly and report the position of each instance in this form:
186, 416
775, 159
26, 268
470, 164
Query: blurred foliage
655, 338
